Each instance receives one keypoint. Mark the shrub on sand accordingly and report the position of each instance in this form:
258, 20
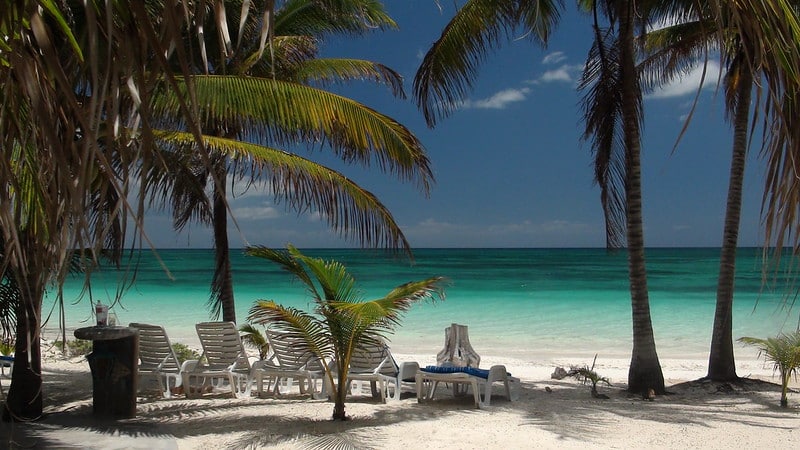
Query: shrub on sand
783, 352
341, 321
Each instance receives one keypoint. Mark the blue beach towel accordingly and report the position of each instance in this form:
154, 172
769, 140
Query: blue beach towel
482, 373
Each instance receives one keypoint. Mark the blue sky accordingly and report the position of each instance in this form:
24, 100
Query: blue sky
510, 168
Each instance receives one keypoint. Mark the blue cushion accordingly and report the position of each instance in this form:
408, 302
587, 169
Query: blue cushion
483, 373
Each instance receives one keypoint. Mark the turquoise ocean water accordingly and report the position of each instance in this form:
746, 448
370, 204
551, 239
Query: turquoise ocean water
523, 303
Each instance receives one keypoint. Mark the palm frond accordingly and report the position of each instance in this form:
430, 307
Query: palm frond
326, 71
602, 106
297, 324
302, 185
253, 337
277, 111
672, 52
288, 263
449, 68
324, 17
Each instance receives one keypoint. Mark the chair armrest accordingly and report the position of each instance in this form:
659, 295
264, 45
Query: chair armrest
407, 371
190, 365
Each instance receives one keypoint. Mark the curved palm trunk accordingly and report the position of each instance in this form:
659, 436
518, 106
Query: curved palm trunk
721, 362
340, 394
24, 400
222, 285
645, 370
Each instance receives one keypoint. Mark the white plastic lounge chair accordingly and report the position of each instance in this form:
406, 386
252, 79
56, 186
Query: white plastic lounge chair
479, 380
224, 361
457, 351
374, 363
157, 358
289, 360
6, 366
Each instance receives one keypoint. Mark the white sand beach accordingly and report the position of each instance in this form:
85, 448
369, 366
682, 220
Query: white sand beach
548, 414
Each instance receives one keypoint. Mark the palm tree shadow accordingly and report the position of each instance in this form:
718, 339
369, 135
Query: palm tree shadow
569, 411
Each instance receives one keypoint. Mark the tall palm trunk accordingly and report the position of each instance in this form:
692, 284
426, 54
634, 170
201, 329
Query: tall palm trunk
645, 370
222, 285
721, 362
24, 400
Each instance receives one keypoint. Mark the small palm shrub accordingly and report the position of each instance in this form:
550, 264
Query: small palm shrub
585, 374
184, 353
7, 347
253, 337
77, 347
783, 352
342, 321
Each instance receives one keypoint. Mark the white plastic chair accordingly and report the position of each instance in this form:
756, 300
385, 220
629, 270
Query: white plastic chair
457, 349
375, 364
290, 360
479, 380
157, 358
224, 361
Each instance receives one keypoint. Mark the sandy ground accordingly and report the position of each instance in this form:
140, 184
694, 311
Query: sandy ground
548, 414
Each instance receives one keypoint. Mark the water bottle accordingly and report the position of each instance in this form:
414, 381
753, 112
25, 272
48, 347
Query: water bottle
101, 311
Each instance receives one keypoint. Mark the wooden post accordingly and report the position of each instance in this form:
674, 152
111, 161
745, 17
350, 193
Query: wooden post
114, 363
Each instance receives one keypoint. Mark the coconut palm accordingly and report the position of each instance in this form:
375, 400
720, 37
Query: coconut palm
671, 52
342, 321
253, 100
613, 114
65, 183
783, 352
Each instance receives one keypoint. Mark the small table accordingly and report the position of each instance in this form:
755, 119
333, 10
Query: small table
114, 363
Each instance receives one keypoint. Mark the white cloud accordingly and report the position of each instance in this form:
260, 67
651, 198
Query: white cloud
499, 100
689, 84
554, 58
566, 73
256, 212
560, 74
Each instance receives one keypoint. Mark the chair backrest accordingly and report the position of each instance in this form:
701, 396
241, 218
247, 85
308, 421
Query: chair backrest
370, 355
155, 351
222, 346
457, 349
291, 352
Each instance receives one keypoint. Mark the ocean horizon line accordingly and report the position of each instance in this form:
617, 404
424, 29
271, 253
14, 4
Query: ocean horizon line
384, 249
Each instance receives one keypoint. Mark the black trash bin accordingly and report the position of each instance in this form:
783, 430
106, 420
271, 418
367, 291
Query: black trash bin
114, 363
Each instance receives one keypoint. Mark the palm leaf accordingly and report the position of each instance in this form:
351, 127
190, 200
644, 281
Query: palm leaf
323, 17
276, 111
303, 184
602, 106
327, 71
449, 68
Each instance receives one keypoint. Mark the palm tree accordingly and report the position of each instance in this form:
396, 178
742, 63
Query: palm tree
65, 183
268, 83
673, 50
613, 111
784, 353
343, 320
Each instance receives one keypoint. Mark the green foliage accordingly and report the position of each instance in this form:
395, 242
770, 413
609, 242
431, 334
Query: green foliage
77, 347
184, 353
783, 352
253, 337
341, 320
7, 347
586, 373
